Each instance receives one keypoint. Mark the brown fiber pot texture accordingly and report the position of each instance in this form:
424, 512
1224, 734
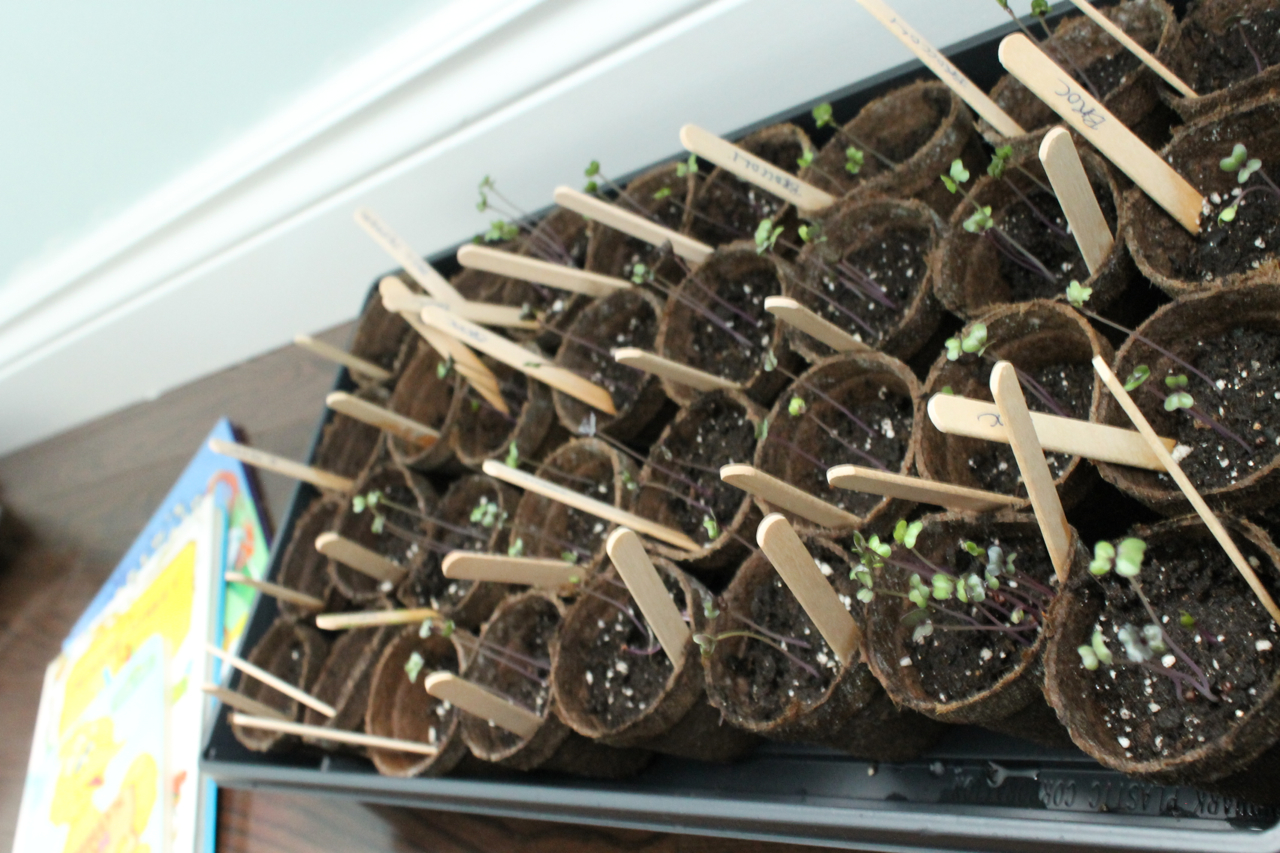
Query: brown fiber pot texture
482, 432
289, 651
381, 336
1210, 27
422, 395
302, 567
344, 681
613, 253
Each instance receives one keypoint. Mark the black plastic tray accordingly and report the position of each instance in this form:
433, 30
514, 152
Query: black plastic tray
975, 790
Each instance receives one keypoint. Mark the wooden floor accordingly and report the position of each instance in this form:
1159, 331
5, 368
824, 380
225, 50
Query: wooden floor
80, 499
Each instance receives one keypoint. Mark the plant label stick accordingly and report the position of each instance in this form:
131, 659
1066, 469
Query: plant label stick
241, 702
271, 681
1136, 49
871, 481
802, 576
821, 329
1184, 483
335, 735
642, 579
979, 419
301, 599
372, 618
633, 224
1034, 468
497, 568
1094, 122
421, 271
382, 418
483, 703
340, 356
786, 496
360, 558
286, 467
943, 67
539, 272
754, 170
1075, 194
591, 506
404, 301
650, 362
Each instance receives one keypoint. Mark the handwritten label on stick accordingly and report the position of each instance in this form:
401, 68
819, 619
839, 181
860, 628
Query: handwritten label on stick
400, 250
756, 170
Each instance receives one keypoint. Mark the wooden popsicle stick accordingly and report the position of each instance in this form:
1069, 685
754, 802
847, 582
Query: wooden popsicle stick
642, 579
382, 418
1035, 470
591, 506
340, 356
796, 567
649, 362
400, 251
514, 355
272, 681
786, 496
360, 558
631, 223
372, 618
483, 703
1071, 185
979, 419
1103, 130
403, 301
498, 568
1202, 509
755, 170
821, 329
306, 602
539, 272
943, 67
874, 482
335, 735
241, 702
279, 465
1136, 49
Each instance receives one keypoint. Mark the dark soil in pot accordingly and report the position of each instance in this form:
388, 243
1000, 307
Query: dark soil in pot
482, 432
1233, 337
1050, 344
628, 318
977, 662
288, 651
681, 482
716, 322
1223, 254
302, 567
659, 194
344, 681
888, 242
473, 515
856, 408
422, 394
804, 695
1222, 45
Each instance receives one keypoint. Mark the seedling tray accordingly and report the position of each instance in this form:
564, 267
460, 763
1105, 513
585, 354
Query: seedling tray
974, 790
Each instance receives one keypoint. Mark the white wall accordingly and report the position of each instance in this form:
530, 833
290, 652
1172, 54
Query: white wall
234, 257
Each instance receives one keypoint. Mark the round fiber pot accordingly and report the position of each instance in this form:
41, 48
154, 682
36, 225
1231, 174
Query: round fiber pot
423, 395
726, 208
1135, 720
728, 289
289, 651
302, 567
1223, 254
1231, 335
403, 534
482, 432
543, 527
660, 195
346, 444
889, 242
627, 318
344, 681
1050, 343
972, 677
611, 686
1216, 55
760, 690
974, 273
380, 335
1128, 89
857, 408
528, 624
920, 128
716, 429
400, 708
473, 515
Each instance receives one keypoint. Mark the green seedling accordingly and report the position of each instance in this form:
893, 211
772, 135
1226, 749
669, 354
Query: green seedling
767, 235
958, 175
1078, 294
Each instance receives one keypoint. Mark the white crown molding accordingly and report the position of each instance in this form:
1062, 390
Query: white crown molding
257, 244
